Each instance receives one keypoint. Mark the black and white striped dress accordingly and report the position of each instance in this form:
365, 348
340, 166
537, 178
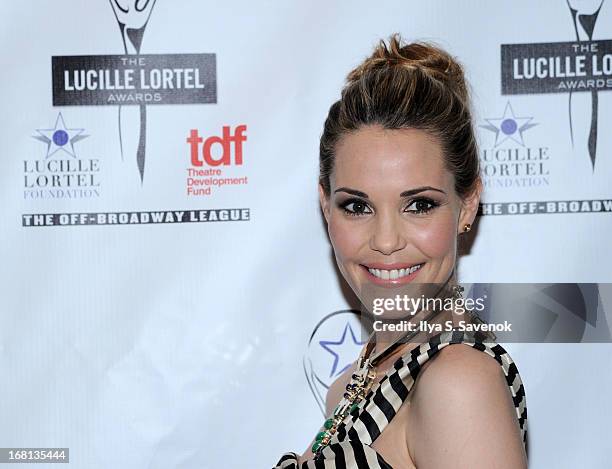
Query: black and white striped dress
350, 445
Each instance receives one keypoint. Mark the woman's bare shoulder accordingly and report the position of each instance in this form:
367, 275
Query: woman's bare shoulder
462, 409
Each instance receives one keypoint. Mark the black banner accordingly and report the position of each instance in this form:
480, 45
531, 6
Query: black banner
87, 80
556, 67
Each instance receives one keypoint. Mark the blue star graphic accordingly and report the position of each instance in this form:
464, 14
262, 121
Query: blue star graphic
348, 353
509, 126
60, 137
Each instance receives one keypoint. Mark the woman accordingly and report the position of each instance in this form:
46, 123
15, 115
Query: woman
399, 183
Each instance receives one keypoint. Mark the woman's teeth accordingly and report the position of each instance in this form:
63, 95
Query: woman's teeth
395, 273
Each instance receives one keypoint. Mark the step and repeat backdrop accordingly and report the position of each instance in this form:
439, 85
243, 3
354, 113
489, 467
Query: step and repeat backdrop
169, 296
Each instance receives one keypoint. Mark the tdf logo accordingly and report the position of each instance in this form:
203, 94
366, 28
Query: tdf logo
206, 151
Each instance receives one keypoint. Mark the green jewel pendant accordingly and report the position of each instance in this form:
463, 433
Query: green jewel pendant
356, 391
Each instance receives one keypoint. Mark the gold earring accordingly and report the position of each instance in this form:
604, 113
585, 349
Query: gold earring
467, 227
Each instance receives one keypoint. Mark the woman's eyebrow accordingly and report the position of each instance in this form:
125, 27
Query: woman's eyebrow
352, 191
403, 194
420, 189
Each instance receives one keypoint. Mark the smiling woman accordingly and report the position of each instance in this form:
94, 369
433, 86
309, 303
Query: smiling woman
399, 183
370, 227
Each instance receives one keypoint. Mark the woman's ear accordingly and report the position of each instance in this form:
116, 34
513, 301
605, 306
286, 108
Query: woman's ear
469, 207
324, 201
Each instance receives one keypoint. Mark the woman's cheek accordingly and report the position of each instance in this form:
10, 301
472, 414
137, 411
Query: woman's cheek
347, 240
436, 239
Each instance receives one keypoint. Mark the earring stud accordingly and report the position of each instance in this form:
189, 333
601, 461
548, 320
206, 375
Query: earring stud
467, 227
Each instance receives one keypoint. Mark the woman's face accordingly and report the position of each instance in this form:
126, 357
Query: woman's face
393, 215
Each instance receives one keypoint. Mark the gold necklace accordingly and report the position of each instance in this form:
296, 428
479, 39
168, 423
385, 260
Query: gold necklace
360, 384
358, 388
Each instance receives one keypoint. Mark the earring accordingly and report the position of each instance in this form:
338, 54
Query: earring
467, 227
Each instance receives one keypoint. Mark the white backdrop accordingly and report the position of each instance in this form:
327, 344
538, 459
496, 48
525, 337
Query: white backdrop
182, 344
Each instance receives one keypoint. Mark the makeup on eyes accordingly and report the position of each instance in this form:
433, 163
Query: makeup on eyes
355, 201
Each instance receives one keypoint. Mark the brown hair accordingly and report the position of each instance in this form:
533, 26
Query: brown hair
417, 85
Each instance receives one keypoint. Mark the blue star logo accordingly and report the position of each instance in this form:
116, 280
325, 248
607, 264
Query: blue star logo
509, 126
344, 354
60, 138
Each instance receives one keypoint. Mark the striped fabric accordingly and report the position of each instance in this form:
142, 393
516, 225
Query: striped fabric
350, 446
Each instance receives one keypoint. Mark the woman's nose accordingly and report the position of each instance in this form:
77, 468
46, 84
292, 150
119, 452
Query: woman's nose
387, 236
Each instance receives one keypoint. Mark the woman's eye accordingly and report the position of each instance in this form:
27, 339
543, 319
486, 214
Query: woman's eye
422, 206
356, 207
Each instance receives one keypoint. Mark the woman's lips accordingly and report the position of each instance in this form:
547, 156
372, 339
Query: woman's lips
403, 274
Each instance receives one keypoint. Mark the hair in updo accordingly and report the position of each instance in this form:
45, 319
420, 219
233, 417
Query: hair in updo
416, 85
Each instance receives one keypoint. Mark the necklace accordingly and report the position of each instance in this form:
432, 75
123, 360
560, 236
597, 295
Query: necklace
361, 383
356, 390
